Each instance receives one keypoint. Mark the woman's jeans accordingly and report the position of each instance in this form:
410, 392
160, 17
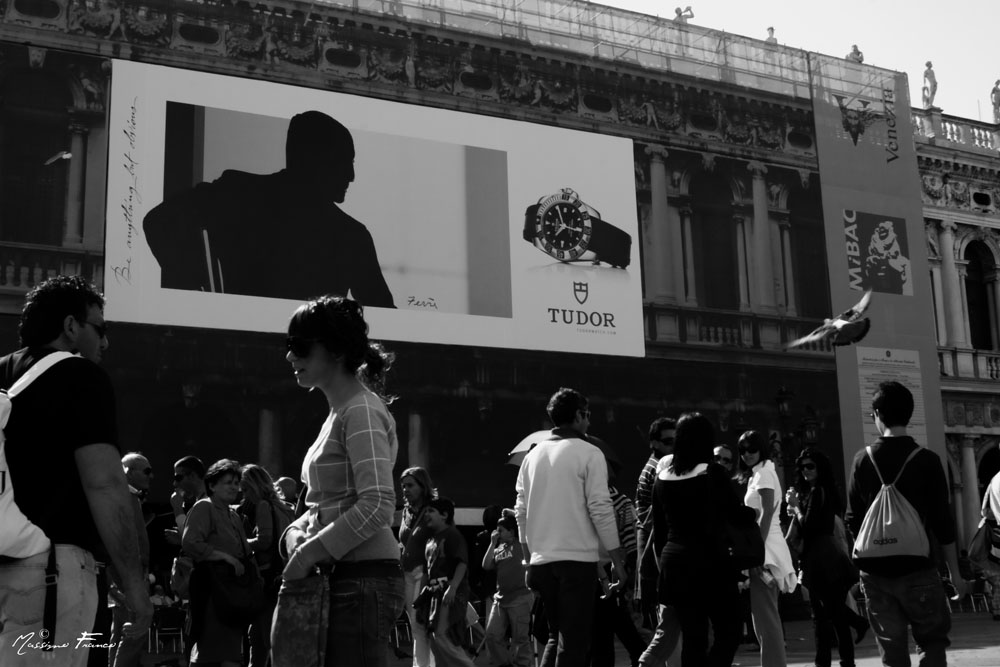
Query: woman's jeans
366, 598
421, 647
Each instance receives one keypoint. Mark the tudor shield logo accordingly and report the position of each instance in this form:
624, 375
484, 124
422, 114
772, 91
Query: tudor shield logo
581, 291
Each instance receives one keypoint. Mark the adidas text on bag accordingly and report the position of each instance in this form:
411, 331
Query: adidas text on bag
891, 527
19, 538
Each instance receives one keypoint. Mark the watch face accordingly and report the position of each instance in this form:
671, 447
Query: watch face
562, 227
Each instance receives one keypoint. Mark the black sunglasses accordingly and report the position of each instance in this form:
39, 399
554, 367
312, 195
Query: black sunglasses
750, 449
299, 346
100, 329
724, 459
147, 471
807, 466
179, 476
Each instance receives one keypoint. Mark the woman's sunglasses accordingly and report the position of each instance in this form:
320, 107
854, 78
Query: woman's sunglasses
299, 346
807, 466
749, 450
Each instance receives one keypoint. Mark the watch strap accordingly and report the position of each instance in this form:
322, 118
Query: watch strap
611, 244
529, 223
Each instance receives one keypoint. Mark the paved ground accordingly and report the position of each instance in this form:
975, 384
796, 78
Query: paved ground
975, 643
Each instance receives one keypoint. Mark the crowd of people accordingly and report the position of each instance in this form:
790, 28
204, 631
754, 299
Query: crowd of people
267, 574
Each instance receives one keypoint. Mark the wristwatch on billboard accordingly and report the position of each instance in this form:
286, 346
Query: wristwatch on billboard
567, 229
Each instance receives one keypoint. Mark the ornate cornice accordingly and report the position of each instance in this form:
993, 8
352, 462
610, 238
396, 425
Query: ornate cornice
383, 55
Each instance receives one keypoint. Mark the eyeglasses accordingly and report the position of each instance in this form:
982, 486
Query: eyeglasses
100, 329
723, 459
807, 466
750, 449
147, 471
585, 413
179, 476
299, 346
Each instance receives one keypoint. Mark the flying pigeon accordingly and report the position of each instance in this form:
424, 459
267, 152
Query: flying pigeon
847, 328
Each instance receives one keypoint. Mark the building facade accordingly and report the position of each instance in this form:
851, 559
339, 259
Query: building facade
731, 230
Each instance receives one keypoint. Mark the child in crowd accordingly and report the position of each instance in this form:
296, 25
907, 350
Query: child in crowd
512, 601
445, 595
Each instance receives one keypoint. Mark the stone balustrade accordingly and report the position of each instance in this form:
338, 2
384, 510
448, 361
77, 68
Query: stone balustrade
24, 265
932, 127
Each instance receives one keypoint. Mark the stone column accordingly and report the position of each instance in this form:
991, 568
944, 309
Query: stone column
764, 275
741, 260
785, 229
971, 503
418, 445
660, 281
268, 438
675, 237
73, 232
951, 287
991, 307
942, 332
963, 269
688, 294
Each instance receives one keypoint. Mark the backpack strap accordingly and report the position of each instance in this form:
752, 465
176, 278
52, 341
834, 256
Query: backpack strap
39, 367
878, 472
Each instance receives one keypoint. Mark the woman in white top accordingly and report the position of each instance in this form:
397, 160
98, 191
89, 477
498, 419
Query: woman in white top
778, 573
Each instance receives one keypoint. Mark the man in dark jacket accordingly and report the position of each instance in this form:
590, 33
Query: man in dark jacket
278, 235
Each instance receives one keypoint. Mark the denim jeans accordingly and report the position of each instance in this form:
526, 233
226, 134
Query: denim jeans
22, 601
916, 601
568, 590
127, 651
363, 610
664, 641
421, 647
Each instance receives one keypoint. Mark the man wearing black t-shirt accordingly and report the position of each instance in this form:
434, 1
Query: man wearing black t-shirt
905, 591
62, 452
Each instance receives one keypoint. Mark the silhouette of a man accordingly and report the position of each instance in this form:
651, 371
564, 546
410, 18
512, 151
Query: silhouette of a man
277, 235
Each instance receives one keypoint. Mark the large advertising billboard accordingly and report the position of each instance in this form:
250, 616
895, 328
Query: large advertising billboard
232, 200
875, 231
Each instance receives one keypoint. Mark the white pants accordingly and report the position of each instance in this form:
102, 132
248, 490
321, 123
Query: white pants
421, 647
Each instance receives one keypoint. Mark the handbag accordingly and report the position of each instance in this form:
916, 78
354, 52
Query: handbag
980, 546
742, 544
238, 599
793, 537
299, 630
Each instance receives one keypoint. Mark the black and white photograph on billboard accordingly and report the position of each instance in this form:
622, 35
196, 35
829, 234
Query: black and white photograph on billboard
53, 157
231, 200
877, 253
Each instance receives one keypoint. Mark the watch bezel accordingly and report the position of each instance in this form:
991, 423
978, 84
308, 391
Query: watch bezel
566, 196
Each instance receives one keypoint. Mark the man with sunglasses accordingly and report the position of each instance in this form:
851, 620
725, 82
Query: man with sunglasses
661, 443
61, 447
564, 516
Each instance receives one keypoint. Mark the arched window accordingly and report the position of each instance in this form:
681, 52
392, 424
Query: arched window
808, 239
713, 236
34, 126
980, 274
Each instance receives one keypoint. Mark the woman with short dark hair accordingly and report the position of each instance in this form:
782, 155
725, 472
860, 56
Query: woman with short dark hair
214, 537
349, 497
692, 500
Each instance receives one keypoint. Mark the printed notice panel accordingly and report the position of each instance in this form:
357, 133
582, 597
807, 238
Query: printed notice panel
230, 201
877, 365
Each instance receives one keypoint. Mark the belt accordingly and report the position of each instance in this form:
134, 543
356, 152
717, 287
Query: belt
367, 568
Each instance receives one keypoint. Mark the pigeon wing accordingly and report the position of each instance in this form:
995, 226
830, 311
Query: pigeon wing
819, 333
858, 309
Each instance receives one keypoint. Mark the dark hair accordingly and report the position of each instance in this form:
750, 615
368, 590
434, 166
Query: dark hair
491, 514
894, 403
444, 506
192, 464
658, 425
338, 324
752, 440
694, 443
313, 140
218, 470
423, 478
508, 522
824, 478
564, 404
48, 304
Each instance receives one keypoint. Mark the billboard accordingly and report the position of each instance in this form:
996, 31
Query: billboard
232, 200
874, 232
